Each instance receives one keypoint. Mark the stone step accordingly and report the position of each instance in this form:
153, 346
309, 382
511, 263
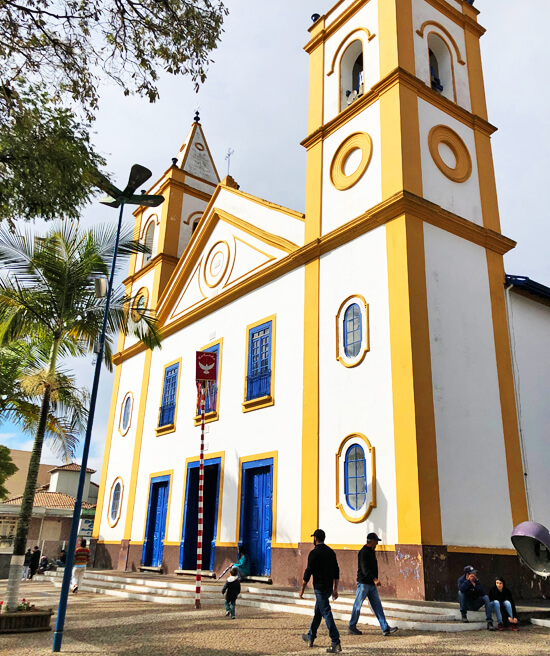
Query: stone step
538, 621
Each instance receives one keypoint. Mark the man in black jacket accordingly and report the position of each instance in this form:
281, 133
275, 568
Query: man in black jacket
322, 564
472, 596
367, 586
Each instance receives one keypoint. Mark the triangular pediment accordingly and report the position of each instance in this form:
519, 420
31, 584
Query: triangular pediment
227, 251
194, 156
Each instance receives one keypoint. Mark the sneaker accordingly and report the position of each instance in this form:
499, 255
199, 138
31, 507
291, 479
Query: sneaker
232, 617
227, 613
514, 627
390, 630
75, 589
464, 619
500, 627
306, 638
353, 630
490, 626
334, 648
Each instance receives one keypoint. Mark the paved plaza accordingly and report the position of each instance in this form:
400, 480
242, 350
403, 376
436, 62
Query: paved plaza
107, 626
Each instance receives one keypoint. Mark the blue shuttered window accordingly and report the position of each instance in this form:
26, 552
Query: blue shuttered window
352, 331
168, 408
258, 382
355, 476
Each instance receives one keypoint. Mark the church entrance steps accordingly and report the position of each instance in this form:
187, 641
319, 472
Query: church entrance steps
418, 616
541, 622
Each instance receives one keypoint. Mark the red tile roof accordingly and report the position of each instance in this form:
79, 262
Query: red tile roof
72, 466
56, 500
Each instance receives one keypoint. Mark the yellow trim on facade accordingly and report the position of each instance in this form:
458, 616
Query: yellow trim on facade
482, 550
262, 401
120, 430
358, 141
137, 446
207, 456
510, 425
169, 428
446, 32
396, 36
417, 480
117, 480
215, 414
106, 453
166, 472
487, 182
252, 458
370, 37
310, 406
442, 134
372, 503
351, 362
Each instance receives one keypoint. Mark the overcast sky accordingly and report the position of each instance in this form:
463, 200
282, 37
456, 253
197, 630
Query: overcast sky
255, 101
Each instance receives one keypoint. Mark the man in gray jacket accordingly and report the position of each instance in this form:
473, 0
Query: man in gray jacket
367, 587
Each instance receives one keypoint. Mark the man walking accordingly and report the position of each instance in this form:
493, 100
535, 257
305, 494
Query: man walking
81, 558
35, 561
472, 596
367, 587
323, 566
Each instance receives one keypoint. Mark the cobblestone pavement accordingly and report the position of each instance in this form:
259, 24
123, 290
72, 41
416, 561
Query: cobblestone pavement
99, 625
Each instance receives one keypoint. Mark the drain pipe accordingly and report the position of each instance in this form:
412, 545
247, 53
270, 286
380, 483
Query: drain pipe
515, 377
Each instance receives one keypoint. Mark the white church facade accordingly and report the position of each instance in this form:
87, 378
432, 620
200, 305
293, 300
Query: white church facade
377, 371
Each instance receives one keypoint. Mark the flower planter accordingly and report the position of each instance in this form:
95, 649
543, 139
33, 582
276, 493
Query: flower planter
25, 621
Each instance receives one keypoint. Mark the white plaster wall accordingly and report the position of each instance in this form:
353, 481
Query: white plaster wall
272, 219
339, 207
331, 16
200, 185
422, 12
473, 483
530, 327
357, 399
460, 198
122, 446
191, 204
237, 434
367, 18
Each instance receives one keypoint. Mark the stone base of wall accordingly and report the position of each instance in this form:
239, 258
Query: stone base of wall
409, 572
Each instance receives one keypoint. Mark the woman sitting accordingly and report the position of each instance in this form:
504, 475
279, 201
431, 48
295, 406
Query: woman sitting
503, 604
243, 564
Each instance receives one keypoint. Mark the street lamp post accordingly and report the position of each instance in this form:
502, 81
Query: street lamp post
138, 175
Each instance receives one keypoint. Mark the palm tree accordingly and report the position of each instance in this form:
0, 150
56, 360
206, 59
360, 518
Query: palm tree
48, 295
21, 366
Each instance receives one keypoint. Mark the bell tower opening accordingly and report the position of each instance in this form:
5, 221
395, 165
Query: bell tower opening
352, 74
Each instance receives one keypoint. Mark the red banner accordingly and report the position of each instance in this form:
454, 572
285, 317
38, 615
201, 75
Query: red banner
207, 368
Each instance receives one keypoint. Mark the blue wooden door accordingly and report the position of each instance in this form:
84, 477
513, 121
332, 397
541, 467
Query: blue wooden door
153, 544
257, 506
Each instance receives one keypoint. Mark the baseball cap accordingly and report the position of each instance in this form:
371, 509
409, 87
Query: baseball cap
319, 534
470, 570
373, 536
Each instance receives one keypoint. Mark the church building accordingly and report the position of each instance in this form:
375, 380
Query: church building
377, 370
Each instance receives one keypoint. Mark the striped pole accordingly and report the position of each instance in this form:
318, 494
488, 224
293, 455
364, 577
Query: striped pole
201, 488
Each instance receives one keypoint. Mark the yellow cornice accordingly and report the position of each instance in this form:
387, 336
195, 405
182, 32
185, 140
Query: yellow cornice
463, 20
325, 33
196, 177
158, 259
266, 203
398, 205
402, 77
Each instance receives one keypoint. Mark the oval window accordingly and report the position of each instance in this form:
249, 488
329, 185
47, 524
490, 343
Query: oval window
352, 330
126, 413
116, 503
355, 476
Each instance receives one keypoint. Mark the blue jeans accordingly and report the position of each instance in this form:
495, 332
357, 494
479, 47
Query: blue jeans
467, 604
322, 609
369, 590
229, 607
498, 612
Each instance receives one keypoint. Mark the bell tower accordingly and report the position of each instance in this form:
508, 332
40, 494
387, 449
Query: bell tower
187, 186
399, 156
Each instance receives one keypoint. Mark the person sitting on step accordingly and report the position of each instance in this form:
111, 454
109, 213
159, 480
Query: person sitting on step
472, 596
503, 605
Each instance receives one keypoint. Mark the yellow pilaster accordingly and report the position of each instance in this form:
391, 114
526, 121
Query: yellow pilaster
417, 481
